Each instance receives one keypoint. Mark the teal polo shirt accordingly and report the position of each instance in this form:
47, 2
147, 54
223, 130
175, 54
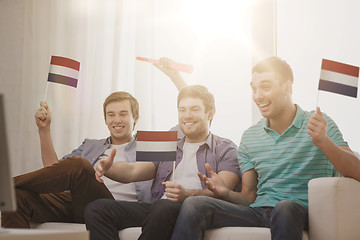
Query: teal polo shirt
285, 163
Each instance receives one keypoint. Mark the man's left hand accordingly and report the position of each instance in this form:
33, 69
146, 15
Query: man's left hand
175, 192
317, 127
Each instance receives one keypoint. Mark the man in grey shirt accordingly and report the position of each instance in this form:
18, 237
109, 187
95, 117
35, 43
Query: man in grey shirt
60, 191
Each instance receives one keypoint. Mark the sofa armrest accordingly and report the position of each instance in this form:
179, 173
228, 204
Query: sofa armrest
334, 208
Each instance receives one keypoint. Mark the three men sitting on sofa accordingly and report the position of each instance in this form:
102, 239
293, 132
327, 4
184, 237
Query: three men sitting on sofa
277, 157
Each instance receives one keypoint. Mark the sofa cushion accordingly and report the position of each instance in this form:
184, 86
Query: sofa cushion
225, 233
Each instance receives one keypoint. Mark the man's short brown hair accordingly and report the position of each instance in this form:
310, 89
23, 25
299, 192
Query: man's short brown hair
198, 91
276, 65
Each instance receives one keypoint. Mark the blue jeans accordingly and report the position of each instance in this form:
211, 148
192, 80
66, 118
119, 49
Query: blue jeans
286, 220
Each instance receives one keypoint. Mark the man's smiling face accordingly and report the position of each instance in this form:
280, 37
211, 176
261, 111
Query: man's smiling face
194, 121
120, 121
269, 94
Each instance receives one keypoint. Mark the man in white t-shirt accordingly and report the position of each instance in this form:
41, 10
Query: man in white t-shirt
196, 109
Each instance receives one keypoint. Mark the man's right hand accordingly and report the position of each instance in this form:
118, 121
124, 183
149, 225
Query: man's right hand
174, 75
104, 165
43, 116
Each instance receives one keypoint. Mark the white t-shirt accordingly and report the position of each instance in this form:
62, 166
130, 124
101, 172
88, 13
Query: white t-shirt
186, 170
120, 191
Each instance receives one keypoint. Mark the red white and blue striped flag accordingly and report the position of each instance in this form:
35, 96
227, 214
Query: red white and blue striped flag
64, 70
339, 78
156, 146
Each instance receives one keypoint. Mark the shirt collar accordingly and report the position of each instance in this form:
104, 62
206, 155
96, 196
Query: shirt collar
298, 120
132, 140
208, 141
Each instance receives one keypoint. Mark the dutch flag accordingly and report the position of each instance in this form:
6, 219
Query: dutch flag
339, 78
156, 146
64, 70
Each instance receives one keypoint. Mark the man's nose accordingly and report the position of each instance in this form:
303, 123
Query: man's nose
117, 119
257, 95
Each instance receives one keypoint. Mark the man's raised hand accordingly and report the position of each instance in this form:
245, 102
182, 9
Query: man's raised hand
214, 183
317, 127
174, 75
43, 116
104, 165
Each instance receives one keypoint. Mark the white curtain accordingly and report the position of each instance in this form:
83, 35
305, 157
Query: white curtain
105, 36
101, 35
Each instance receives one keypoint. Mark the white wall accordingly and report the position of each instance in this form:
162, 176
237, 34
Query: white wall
310, 30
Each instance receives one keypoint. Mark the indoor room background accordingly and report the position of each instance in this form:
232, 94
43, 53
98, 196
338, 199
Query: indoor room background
221, 39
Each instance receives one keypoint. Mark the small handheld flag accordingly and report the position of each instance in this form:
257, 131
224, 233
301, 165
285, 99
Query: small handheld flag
187, 68
156, 146
64, 71
339, 78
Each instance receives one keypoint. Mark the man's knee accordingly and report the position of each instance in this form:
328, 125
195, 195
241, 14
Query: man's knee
164, 208
78, 164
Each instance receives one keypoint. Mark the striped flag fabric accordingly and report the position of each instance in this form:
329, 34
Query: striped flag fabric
339, 78
156, 146
64, 71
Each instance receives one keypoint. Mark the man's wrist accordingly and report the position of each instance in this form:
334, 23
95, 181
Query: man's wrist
44, 131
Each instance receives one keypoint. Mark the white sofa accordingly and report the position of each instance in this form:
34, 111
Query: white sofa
334, 214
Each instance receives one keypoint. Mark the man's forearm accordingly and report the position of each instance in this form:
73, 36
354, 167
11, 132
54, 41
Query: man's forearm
119, 172
125, 172
48, 154
342, 158
239, 198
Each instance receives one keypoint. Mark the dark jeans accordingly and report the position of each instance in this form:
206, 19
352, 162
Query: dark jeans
41, 198
286, 220
104, 218
160, 221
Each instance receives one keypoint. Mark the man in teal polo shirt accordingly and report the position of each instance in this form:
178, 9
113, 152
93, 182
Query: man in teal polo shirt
277, 156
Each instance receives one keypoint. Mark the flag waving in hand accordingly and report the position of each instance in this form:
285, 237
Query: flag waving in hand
156, 146
339, 78
64, 70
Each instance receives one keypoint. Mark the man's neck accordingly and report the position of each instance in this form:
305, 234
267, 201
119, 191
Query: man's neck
282, 122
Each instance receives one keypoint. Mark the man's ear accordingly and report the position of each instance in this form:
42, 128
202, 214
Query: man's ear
135, 122
211, 114
289, 87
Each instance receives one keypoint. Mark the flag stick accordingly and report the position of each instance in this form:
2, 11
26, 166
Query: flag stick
173, 176
317, 99
46, 90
